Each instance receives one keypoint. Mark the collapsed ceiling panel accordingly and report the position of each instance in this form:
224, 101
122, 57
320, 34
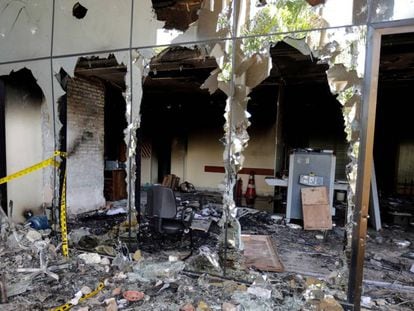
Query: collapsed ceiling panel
95, 31
25, 28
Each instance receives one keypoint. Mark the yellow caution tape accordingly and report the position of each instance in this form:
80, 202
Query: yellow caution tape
69, 305
63, 225
38, 166
33, 168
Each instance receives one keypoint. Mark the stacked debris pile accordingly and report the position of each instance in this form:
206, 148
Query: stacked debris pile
103, 272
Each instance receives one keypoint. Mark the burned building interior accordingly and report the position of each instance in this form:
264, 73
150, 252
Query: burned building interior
185, 178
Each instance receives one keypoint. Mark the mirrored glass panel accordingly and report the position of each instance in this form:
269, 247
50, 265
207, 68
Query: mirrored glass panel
25, 29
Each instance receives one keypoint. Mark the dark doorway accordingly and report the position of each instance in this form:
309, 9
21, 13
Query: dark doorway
394, 129
3, 165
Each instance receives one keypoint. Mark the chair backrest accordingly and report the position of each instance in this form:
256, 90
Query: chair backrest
161, 202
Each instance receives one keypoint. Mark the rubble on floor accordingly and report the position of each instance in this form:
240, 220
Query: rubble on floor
107, 272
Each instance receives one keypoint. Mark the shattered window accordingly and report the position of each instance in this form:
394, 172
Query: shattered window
149, 31
175, 139
177, 14
95, 31
391, 10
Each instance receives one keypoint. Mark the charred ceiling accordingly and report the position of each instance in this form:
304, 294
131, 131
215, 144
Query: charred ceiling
172, 93
106, 69
179, 70
24, 80
397, 60
291, 67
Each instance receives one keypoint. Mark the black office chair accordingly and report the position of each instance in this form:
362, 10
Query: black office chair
165, 218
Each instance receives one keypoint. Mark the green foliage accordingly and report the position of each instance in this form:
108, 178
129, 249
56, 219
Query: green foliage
262, 23
277, 16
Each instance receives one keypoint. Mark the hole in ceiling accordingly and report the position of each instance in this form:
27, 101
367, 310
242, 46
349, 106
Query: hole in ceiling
177, 14
79, 11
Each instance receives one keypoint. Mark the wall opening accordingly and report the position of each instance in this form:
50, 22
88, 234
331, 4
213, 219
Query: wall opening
394, 132
308, 115
177, 14
95, 134
181, 123
23, 99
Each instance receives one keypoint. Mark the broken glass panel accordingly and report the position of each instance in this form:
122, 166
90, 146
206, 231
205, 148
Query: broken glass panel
282, 16
210, 23
391, 10
25, 28
106, 26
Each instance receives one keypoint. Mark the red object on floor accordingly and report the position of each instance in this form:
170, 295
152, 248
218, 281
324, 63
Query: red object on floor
250, 194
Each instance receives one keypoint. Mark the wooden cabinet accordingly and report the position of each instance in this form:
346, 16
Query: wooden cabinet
115, 185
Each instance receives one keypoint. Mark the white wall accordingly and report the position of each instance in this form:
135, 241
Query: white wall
23, 149
204, 148
260, 153
178, 158
85, 146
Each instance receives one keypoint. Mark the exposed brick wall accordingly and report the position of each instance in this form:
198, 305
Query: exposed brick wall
85, 145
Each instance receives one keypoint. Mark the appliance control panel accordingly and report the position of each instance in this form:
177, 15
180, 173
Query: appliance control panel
311, 180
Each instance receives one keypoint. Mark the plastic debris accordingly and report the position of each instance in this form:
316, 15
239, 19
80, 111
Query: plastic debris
90, 258
294, 226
